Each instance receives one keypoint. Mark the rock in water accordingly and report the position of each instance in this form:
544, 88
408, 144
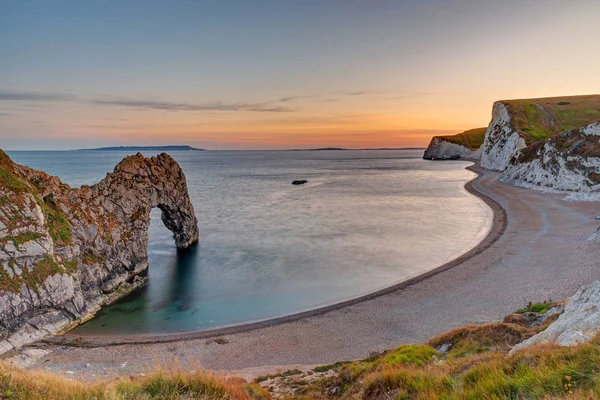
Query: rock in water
299, 182
66, 252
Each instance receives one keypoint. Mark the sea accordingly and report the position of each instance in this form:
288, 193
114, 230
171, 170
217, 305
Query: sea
366, 220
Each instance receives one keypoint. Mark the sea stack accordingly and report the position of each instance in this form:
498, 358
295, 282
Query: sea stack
66, 252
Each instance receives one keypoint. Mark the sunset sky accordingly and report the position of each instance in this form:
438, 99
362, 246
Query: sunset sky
269, 74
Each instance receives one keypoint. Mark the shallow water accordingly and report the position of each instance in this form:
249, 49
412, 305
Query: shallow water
365, 220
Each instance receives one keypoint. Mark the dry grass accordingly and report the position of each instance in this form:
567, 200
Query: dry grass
475, 339
543, 372
26, 385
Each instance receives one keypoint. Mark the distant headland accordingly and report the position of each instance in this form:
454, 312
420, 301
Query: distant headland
145, 148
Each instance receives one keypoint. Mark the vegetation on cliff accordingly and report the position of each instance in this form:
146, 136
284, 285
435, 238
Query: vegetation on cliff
472, 139
539, 119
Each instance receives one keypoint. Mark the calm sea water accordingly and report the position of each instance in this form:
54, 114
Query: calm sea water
365, 220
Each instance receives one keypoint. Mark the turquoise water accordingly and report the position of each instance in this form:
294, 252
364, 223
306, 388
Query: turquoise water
365, 220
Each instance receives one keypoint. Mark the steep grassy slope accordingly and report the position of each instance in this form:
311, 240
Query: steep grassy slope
34, 385
465, 363
538, 119
472, 139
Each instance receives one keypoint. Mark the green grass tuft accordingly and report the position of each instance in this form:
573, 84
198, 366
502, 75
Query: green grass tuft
541, 308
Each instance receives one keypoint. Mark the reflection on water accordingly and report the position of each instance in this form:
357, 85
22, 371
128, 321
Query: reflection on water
364, 220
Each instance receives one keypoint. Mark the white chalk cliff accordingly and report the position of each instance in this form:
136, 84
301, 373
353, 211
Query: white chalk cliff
502, 141
570, 161
440, 149
579, 323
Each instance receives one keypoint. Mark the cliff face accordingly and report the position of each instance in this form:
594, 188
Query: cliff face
517, 124
502, 140
570, 161
66, 252
439, 149
462, 145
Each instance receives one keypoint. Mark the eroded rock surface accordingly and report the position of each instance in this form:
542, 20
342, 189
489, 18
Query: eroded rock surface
66, 252
579, 323
569, 161
502, 140
440, 149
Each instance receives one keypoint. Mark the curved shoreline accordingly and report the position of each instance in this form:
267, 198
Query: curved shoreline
499, 223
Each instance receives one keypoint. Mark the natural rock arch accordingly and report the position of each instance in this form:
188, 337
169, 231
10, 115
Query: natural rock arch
66, 252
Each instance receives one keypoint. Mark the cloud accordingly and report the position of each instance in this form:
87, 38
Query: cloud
214, 106
291, 98
22, 96
34, 96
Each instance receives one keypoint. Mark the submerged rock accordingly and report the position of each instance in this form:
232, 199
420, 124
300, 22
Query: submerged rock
299, 182
66, 252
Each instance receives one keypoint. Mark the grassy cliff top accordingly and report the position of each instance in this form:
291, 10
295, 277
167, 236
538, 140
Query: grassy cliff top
538, 119
471, 139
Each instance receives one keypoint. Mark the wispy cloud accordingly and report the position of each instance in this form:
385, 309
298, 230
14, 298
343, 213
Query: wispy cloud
22, 96
298, 97
424, 94
213, 106
34, 96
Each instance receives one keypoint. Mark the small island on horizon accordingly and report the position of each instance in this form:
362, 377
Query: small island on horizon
141, 148
190, 148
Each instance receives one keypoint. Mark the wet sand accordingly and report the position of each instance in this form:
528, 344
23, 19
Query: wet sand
536, 251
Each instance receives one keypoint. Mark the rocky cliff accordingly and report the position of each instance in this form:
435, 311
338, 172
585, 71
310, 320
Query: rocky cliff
466, 145
66, 252
579, 323
569, 161
517, 124
502, 140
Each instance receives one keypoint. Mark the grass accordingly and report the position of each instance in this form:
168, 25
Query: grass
542, 372
284, 374
475, 339
20, 239
541, 308
58, 225
34, 385
408, 372
471, 139
539, 119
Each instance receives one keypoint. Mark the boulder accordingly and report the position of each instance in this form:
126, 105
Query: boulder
580, 321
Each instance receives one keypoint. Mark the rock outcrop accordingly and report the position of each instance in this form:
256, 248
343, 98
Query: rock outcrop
517, 124
66, 252
569, 161
465, 145
440, 149
579, 323
502, 140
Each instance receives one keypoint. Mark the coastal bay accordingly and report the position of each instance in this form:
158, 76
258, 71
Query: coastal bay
536, 251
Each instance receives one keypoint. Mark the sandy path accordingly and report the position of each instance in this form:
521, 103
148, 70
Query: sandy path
541, 255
